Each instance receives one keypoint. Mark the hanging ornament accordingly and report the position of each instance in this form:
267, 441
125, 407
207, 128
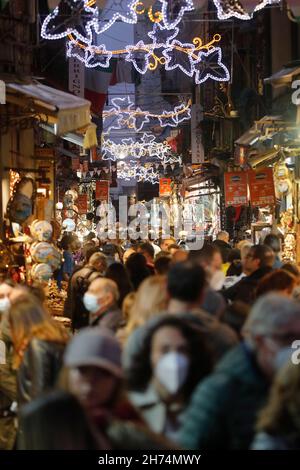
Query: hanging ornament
241, 9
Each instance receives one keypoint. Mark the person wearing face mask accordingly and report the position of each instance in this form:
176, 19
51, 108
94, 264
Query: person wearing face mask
210, 259
173, 360
224, 408
101, 301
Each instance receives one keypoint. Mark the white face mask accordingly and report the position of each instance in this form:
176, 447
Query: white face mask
283, 356
90, 301
217, 280
4, 304
172, 370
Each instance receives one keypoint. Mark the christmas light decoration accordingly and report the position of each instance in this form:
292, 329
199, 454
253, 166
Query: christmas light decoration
85, 21
238, 8
146, 147
145, 173
210, 65
171, 19
135, 119
83, 16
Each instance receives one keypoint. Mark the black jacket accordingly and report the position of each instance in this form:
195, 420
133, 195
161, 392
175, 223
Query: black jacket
39, 369
225, 249
245, 289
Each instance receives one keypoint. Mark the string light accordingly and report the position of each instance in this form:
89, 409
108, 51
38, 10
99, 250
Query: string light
136, 118
210, 66
14, 177
146, 147
145, 173
234, 8
185, 5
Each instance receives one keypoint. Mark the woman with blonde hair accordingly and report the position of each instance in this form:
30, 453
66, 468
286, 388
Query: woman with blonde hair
38, 345
279, 422
150, 300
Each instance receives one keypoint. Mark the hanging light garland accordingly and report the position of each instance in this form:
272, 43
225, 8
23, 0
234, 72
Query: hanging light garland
135, 119
241, 9
85, 20
146, 173
145, 148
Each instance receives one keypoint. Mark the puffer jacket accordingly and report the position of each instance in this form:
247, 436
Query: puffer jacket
224, 407
39, 369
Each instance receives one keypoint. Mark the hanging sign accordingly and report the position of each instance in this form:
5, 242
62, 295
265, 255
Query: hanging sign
76, 77
236, 188
44, 152
165, 187
196, 134
261, 185
81, 203
102, 190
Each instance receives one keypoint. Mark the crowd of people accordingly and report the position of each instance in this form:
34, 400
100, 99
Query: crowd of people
168, 349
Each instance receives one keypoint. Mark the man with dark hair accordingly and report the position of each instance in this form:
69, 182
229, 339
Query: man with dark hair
210, 259
147, 250
257, 263
273, 241
162, 265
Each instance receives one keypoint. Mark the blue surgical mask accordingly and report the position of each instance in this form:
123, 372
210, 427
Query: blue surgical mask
91, 302
4, 304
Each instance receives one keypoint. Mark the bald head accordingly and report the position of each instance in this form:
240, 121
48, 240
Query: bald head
105, 290
224, 236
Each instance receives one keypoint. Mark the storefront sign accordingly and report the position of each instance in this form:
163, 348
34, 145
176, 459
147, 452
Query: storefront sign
102, 190
165, 187
76, 77
81, 203
261, 185
196, 134
236, 189
44, 152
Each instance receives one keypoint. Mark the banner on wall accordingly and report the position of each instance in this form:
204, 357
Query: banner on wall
236, 188
261, 186
82, 203
196, 134
165, 187
76, 77
102, 190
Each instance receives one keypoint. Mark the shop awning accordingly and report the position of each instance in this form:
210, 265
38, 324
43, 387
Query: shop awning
284, 77
64, 111
85, 137
265, 128
266, 158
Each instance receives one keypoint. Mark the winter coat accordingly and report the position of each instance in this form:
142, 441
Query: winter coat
224, 407
39, 369
245, 289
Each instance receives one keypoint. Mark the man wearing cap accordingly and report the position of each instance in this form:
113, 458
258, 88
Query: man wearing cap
101, 301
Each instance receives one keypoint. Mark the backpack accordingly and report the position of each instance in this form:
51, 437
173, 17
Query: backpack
80, 317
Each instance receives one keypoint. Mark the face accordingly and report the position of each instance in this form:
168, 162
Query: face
97, 288
166, 243
93, 387
216, 262
167, 339
269, 347
5, 291
250, 264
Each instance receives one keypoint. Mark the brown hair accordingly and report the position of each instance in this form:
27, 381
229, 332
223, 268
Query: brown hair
281, 415
28, 319
278, 280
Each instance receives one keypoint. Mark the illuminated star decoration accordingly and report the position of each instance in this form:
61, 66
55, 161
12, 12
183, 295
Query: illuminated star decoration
176, 57
71, 17
122, 115
88, 56
171, 19
139, 55
119, 10
145, 173
227, 8
160, 35
146, 147
210, 65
